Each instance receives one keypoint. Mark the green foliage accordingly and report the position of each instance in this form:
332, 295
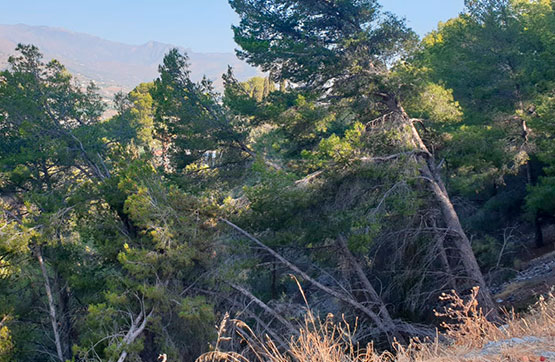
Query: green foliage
294, 124
258, 88
435, 103
137, 109
477, 157
541, 195
497, 59
6, 344
343, 150
274, 199
189, 119
198, 316
47, 121
124, 212
295, 40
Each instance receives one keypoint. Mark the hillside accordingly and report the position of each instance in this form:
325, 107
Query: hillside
112, 65
379, 198
467, 337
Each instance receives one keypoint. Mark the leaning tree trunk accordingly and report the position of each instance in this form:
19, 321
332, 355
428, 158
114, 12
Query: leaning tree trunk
430, 173
51, 305
463, 246
389, 330
373, 297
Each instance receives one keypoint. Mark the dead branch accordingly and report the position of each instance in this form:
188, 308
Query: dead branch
373, 316
266, 308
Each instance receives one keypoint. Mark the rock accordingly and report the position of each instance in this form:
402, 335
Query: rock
495, 348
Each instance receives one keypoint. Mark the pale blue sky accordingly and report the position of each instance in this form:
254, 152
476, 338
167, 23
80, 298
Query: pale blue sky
202, 25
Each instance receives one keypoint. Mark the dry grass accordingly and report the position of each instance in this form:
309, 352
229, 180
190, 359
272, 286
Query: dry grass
471, 338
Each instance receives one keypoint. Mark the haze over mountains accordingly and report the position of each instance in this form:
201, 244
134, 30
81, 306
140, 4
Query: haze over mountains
113, 66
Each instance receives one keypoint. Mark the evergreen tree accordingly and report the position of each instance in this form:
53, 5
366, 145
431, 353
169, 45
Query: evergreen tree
343, 49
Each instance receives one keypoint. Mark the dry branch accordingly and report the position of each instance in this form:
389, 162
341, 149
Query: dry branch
346, 299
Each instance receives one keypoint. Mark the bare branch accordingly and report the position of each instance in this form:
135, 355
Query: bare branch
373, 316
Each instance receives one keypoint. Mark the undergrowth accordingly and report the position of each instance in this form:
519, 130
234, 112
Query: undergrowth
466, 335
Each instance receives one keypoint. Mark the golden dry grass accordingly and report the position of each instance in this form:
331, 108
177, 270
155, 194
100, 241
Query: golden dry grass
471, 337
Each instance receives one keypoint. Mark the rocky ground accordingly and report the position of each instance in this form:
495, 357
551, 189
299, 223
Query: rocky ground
536, 278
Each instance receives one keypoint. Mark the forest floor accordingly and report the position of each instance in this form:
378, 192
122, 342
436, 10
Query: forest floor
529, 337
529, 332
526, 334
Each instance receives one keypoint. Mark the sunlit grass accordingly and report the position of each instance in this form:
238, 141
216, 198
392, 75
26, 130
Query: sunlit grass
466, 335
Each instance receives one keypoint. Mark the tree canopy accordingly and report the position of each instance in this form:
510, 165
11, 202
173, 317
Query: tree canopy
363, 162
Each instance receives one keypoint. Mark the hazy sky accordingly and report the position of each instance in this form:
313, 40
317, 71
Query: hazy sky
202, 25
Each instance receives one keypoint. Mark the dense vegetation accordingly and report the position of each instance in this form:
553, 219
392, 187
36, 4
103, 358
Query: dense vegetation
375, 169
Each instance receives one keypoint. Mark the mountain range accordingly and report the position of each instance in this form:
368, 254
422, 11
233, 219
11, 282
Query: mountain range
113, 66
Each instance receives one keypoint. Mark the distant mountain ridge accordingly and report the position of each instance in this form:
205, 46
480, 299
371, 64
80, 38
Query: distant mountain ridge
113, 65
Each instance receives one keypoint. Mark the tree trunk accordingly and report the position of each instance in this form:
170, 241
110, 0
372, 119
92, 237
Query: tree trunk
137, 327
64, 314
51, 305
373, 296
431, 174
